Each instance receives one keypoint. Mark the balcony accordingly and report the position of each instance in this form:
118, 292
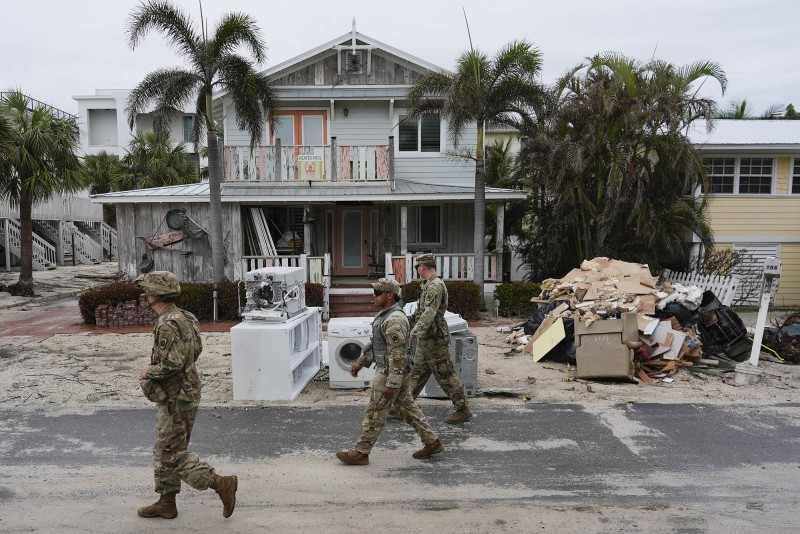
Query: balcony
301, 163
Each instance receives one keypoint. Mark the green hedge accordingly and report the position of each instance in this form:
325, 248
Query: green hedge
464, 298
515, 298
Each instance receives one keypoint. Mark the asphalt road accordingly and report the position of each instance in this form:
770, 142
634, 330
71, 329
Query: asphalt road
655, 468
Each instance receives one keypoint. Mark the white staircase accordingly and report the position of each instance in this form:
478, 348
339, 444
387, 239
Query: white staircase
87, 250
108, 238
44, 254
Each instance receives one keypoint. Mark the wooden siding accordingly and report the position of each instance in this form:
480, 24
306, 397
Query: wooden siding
749, 216
789, 286
367, 123
385, 70
190, 259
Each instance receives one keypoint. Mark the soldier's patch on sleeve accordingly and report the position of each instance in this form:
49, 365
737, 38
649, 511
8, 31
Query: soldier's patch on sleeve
395, 338
429, 297
162, 343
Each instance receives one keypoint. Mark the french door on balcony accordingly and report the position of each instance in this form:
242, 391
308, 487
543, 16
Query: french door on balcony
302, 133
354, 228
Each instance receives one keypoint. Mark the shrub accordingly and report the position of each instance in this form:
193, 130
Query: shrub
196, 297
464, 298
515, 298
113, 294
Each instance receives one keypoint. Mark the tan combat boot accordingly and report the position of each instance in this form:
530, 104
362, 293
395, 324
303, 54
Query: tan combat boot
429, 450
353, 457
226, 489
459, 416
165, 507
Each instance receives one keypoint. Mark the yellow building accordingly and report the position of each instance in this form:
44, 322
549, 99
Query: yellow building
754, 171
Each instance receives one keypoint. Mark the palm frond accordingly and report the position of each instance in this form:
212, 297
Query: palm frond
170, 20
234, 30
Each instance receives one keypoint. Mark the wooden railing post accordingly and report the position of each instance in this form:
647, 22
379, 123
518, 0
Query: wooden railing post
278, 157
391, 162
334, 159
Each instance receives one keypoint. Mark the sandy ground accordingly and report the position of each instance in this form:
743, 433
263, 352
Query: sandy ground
100, 369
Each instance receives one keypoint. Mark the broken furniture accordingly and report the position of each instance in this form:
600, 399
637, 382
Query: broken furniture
604, 349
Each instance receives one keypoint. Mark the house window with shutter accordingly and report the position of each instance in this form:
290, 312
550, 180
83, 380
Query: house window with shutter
420, 135
796, 177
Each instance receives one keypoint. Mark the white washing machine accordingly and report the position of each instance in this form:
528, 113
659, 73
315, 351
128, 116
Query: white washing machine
346, 337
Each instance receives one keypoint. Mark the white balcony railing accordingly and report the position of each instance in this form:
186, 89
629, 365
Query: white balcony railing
301, 163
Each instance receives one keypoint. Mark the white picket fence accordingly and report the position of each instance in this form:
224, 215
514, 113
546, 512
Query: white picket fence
724, 287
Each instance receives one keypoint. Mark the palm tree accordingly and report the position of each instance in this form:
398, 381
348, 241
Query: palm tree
742, 110
100, 172
480, 90
213, 65
38, 161
609, 164
152, 161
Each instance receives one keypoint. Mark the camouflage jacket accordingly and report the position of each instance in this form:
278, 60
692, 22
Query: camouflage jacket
177, 345
388, 345
428, 319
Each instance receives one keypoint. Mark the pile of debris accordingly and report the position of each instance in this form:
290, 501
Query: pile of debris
612, 319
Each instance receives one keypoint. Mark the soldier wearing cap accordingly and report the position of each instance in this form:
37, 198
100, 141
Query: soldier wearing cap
388, 348
429, 328
172, 382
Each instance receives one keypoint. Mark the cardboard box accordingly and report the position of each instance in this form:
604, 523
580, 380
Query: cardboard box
601, 349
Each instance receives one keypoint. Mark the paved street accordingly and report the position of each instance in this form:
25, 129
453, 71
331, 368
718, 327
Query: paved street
657, 468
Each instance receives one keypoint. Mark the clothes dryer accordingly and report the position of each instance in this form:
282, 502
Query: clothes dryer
346, 337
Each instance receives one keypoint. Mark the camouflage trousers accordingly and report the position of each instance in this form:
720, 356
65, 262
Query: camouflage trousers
432, 358
378, 408
171, 459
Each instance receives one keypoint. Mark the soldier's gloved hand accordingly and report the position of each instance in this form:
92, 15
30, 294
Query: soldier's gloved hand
390, 393
354, 369
143, 372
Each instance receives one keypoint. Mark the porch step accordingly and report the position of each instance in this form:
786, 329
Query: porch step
358, 305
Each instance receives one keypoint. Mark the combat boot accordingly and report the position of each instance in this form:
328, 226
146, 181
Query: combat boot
226, 489
429, 450
165, 507
459, 416
353, 457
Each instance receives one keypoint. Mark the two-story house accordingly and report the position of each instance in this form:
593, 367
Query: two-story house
754, 170
345, 183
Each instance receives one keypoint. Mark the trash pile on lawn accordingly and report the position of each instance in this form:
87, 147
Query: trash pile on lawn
612, 319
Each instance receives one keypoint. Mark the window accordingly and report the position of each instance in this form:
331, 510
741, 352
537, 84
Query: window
425, 225
188, 126
755, 176
796, 177
720, 174
422, 135
745, 176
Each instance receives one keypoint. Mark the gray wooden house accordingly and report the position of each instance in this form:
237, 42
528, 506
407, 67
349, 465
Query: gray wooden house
345, 185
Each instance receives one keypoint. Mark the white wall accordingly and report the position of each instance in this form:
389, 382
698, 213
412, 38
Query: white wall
102, 126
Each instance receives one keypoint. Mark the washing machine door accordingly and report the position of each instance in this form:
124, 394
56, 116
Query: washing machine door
347, 352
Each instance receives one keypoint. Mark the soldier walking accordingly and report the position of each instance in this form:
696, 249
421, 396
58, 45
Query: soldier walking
429, 328
171, 381
388, 348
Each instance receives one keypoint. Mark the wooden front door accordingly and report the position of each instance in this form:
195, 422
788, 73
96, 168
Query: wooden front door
352, 237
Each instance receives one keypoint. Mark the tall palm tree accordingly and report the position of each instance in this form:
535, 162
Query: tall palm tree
742, 110
481, 90
152, 161
100, 172
212, 65
38, 161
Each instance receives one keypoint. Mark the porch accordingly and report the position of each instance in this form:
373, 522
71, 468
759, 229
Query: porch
450, 266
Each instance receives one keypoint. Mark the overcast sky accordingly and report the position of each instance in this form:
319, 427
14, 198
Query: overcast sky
55, 49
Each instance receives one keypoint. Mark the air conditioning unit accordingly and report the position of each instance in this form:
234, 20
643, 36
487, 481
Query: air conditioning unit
274, 293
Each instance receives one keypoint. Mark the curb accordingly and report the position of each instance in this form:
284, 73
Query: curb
42, 300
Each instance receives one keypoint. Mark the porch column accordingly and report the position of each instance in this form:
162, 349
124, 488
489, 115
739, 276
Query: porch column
278, 165
307, 230
403, 229
6, 243
391, 162
500, 240
60, 243
334, 170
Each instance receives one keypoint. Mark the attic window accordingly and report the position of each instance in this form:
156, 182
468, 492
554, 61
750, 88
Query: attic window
354, 61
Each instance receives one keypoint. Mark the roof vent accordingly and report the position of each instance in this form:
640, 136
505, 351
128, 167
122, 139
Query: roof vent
354, 61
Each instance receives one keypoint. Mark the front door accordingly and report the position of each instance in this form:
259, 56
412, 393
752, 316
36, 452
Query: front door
352, 236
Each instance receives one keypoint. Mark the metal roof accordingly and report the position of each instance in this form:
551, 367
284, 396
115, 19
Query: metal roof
314, 192
732, 134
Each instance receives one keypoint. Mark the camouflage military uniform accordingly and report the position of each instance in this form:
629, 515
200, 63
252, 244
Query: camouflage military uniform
387, 348
173, 384
432, 355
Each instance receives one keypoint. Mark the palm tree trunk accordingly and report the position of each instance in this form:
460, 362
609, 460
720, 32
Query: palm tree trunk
480, 215
215, 208
26, 243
